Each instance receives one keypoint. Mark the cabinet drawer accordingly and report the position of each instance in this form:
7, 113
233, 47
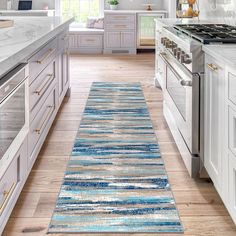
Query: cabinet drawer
120, 17
41, 84
94, 41
8, 184
232, 87
41, 121
41, 59
117, 26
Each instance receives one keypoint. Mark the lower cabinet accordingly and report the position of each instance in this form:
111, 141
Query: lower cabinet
63, 74
220, 130
89, 41
113, 40
214, 85
12, 183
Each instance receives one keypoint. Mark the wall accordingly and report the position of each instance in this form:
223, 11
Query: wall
137, 4
217, 8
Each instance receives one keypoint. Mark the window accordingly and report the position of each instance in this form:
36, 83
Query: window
81, 9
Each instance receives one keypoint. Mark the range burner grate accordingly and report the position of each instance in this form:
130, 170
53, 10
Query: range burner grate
209, 33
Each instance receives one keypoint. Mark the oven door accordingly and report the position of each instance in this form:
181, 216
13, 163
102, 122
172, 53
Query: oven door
182, 98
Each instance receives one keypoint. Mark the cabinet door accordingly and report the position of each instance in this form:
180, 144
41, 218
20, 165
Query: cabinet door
113, 40
73, 41
128, 40
60, 75
214, 120
65, 65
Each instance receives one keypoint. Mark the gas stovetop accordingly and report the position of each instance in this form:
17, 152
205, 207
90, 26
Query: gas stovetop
209, 33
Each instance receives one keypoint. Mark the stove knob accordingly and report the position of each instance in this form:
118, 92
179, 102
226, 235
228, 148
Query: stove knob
185, 59
166, 42
169, 44
175, 50
178, 53
163, 39
174, 45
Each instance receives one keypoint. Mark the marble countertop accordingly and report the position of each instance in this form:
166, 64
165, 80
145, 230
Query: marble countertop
19, 42
135, 11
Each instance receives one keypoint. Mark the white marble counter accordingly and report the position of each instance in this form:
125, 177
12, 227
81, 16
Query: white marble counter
224, 53
49, 12
18, 43
136, 11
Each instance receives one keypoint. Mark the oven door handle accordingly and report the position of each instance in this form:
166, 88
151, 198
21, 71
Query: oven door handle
182, 81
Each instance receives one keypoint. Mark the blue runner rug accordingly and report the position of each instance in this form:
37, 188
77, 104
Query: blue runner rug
115, 180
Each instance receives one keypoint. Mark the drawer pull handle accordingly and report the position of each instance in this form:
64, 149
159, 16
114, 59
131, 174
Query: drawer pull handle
46, 56
44, 85
121, 17
38, 131
212, 67
90, 40
120, 26
7, 195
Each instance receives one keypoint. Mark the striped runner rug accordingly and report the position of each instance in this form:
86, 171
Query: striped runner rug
115, 179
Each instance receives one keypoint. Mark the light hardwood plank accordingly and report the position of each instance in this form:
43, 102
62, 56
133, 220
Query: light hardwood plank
201, 209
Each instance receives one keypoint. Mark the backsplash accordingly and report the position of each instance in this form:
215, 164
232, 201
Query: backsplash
225, 9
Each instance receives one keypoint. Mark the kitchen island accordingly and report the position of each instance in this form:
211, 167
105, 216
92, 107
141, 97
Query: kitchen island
34, 79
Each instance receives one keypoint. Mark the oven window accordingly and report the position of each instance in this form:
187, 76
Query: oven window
12, 118
177, 92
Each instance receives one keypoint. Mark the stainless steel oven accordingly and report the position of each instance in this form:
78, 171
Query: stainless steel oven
13, 112
182, 97
182, 100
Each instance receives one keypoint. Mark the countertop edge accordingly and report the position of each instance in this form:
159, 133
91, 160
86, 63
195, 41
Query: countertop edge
24, 54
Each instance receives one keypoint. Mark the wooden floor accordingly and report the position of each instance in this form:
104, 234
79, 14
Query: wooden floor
200, 207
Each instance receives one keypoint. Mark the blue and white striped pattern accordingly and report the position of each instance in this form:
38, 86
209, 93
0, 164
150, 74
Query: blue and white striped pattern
115, 180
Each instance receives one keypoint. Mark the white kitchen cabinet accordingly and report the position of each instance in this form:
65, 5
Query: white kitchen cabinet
113, 39
12, 183
214, 85
220, 129
86, 41
127, 39
120, 33
230, 147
